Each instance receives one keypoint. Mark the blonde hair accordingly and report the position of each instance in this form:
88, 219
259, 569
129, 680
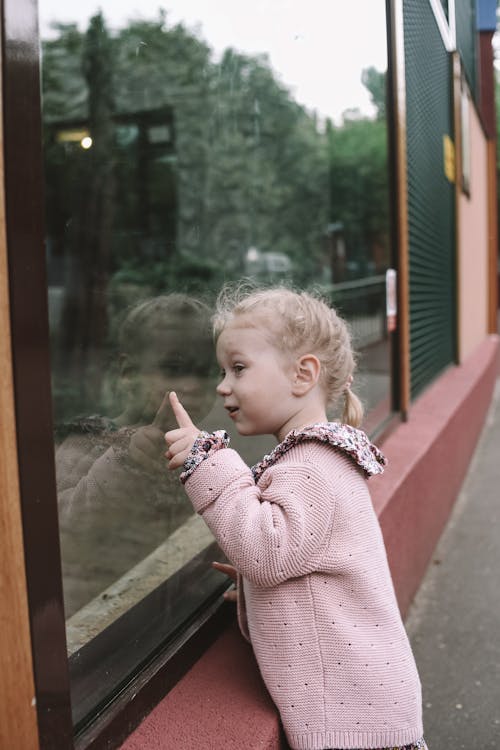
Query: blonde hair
156, 313
300, 323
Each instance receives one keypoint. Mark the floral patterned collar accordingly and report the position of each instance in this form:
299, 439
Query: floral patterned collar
349, 440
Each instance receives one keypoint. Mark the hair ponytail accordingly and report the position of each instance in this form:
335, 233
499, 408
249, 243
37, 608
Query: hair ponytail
353, 409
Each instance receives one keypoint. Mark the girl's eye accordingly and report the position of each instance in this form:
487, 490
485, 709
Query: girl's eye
238, 369
222, 374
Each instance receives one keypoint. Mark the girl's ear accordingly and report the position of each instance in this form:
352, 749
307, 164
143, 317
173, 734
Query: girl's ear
306, 374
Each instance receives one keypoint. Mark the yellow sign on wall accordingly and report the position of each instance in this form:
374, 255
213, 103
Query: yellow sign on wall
449, 158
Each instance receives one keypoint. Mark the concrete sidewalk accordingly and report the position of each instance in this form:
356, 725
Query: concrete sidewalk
454, 622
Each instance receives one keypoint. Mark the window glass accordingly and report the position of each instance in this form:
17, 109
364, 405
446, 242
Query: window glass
186, 146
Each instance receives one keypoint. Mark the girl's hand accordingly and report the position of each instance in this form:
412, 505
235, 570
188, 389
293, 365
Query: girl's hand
146, 448
229, 570
180, 441
147, 444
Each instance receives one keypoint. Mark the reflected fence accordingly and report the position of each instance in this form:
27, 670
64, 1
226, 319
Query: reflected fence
363, 304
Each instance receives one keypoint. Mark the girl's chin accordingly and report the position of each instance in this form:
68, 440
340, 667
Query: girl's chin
243, 431
247, 431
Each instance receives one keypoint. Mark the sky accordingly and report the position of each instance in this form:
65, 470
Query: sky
317, 48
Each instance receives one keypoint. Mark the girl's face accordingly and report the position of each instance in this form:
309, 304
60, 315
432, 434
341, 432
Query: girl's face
256, 381
177, 358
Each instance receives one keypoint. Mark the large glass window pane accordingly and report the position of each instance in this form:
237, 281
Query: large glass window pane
184, 147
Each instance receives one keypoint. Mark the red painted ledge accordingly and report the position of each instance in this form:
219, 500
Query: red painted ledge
222, 704
428, 459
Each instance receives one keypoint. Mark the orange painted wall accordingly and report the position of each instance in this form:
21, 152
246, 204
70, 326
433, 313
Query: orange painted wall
473, 246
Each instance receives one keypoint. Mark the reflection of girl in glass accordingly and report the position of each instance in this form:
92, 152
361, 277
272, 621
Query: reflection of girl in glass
315, 596
113, 491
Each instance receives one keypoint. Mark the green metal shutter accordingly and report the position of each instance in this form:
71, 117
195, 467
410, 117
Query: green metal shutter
465, 13
431, 209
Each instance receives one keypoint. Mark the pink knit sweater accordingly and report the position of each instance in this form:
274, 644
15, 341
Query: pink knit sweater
316, 598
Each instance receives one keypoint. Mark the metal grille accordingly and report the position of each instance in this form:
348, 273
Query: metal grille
465, 11
430, 196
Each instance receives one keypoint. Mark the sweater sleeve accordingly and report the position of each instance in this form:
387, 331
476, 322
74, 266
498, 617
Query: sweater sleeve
272, 531
242, 609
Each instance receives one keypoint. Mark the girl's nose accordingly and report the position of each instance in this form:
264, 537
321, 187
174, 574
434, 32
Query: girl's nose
223, 388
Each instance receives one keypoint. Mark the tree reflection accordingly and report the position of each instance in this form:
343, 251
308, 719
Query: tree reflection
200, 170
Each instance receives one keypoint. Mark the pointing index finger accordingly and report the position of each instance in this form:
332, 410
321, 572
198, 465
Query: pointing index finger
180, 414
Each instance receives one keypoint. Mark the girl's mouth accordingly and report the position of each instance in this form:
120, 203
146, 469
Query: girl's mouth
232, 410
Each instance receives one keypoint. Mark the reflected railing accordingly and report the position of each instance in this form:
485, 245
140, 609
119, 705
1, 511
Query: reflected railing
362, 304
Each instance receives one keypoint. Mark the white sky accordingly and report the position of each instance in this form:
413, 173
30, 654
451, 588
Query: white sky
318, 48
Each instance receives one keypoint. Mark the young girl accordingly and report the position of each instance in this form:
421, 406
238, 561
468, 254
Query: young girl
315, 596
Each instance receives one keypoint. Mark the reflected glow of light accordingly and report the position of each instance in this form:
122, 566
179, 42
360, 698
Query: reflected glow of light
86, 142
252, 255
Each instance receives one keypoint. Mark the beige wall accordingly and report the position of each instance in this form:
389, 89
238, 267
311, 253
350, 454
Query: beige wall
473, 245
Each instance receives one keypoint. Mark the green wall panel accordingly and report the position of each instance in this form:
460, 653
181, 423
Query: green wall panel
430, 197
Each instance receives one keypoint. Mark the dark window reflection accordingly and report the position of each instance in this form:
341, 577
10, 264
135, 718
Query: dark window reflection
170, 170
